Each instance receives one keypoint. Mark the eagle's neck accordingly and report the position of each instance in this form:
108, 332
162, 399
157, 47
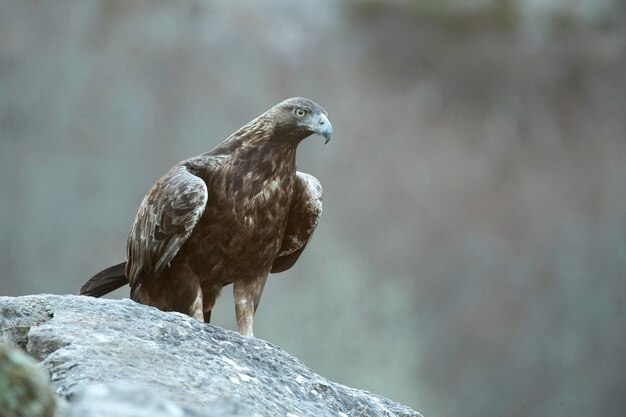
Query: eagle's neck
264, 160
261, 148
260, 170
256, 152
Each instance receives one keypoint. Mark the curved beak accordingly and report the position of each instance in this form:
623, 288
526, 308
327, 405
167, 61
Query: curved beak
324, 128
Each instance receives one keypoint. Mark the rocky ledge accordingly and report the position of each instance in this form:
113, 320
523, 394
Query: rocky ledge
120, 358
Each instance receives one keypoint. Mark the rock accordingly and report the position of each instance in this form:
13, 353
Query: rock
120, 358
25, 389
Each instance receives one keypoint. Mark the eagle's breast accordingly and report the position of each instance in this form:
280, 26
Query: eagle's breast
243, 225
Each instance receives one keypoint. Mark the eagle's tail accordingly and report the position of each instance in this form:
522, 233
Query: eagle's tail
105, 281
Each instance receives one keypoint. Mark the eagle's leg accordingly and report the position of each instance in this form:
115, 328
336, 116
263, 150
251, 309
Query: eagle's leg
195, 310
247, 296
211, 292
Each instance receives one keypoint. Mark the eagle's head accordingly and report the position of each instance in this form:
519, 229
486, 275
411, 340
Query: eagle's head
297, 118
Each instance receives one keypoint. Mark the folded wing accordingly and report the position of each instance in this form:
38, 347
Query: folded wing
166, 218
304, 214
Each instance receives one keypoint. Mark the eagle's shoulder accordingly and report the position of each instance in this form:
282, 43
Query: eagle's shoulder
207, 164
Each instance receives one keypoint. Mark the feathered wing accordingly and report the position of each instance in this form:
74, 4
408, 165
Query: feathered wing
166, 218
304, 214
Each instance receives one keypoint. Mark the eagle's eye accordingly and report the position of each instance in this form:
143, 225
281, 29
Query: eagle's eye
300, 112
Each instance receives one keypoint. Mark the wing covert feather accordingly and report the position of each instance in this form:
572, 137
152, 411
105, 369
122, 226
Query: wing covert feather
166, 218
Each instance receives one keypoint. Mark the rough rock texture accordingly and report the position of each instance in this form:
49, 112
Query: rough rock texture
110, 357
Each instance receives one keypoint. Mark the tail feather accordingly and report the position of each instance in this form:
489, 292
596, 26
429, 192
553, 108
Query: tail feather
105, 281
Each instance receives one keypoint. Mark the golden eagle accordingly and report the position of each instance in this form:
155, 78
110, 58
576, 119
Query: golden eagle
230, 215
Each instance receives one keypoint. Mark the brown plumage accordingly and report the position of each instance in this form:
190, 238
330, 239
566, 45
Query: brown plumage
230, 215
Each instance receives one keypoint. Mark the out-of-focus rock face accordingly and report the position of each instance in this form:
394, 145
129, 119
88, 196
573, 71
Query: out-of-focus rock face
121, 358
25, 389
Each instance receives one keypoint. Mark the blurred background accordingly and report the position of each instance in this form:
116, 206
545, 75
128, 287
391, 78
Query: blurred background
471, 258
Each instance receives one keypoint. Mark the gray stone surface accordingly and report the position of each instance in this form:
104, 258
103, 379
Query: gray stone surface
120, 358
